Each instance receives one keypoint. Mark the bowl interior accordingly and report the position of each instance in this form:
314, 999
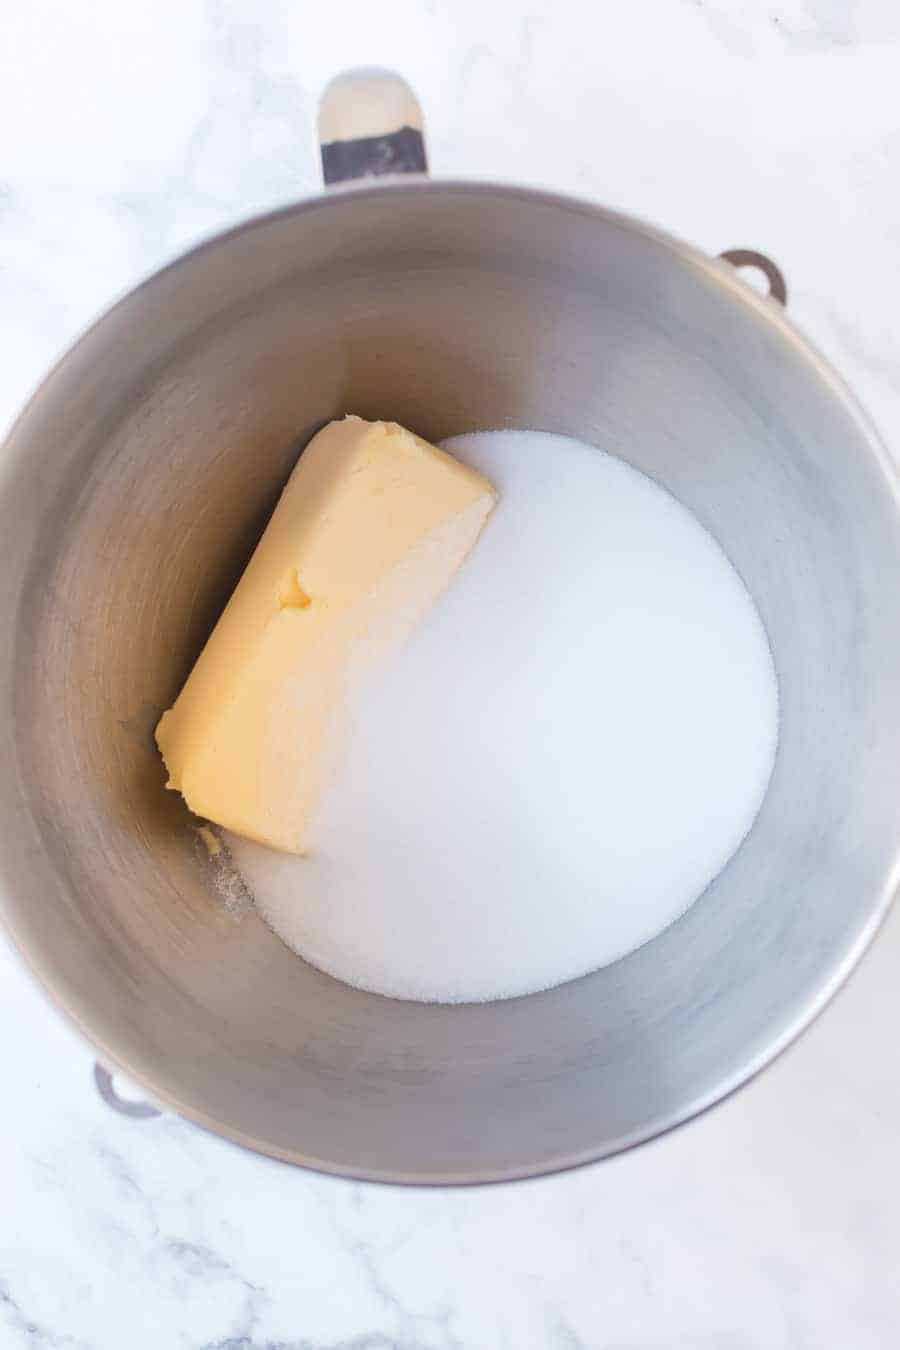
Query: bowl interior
135, 487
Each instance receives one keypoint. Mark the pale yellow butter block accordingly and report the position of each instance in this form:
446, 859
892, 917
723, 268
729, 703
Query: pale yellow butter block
369, 530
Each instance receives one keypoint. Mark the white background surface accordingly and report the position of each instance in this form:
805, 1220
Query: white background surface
130, 129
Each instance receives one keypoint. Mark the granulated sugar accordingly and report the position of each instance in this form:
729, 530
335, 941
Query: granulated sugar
554, 766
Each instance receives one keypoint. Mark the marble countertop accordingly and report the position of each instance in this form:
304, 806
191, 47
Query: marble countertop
132, 131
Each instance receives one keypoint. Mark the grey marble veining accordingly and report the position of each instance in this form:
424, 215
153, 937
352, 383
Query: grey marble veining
131, 132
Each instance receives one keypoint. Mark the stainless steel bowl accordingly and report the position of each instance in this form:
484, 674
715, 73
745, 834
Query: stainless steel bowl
133, 488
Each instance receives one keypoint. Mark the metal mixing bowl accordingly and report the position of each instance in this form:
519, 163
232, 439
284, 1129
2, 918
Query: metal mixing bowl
133, 488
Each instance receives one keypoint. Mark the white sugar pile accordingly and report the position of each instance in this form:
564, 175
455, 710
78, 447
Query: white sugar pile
566, 752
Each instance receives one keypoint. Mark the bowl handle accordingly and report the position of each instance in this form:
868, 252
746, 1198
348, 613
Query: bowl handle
748, 257
103, 1081
370, 124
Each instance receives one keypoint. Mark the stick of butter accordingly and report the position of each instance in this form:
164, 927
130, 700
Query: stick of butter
369, 530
